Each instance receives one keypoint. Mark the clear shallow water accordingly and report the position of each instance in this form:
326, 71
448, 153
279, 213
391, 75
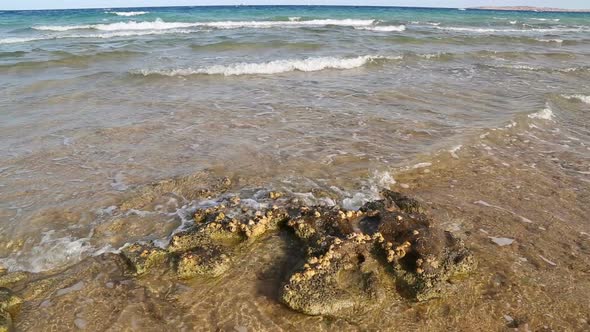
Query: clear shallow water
98, 103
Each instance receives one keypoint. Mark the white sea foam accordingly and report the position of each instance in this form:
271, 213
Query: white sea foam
294, 23
582, 98
384, 28
127, 14
545, 114
431, 55
272, 67
128, 34
427, 23
51, 252
492, 30
370, 191
20, 40
559, 41
120, 26
546, 19
159, 24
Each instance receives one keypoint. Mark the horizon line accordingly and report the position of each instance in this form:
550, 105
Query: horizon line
563, 10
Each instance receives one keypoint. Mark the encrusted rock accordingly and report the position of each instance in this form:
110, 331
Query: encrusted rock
10, 306
12, 278
202, 262
355, 259
144, 257
275, 195
5, 322
340, 279
344, 249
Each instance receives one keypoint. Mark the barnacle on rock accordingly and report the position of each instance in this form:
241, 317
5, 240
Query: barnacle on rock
354, 258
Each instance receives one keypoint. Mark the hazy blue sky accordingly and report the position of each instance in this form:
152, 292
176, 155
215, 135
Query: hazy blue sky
45, 4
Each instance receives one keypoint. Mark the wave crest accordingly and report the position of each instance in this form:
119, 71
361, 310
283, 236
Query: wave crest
582, 98
384, 28
272, 67
545, 114
127, 14
159, 24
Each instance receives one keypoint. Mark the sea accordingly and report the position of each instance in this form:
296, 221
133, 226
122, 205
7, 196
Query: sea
482, 115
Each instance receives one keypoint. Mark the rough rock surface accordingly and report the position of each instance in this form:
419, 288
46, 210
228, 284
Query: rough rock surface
388, 248
10, 306
355, 256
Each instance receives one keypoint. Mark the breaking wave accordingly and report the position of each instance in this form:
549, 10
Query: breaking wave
391, 28
272, 67
545, 114
159, 24
127, 14
582, 98
20, 40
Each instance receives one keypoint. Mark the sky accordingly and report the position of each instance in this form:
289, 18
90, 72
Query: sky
45, 4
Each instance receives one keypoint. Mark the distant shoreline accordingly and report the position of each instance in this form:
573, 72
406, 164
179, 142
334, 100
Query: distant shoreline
534, 9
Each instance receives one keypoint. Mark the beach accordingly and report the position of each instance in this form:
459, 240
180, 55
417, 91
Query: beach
120, 127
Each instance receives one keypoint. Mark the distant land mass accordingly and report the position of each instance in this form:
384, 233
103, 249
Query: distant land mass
535, 9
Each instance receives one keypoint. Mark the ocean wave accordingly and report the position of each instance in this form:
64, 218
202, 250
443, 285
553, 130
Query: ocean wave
99, 36
129, 34
539, 69
546, 19
440, 55
558, 41
272, 67
582, 98
120, 26
384, 28
159, 24
545, 114
127, 14
427, 23
20, 40
493, 30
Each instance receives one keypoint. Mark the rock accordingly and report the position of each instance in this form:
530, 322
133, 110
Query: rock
5, 322
144, 257
206, 248
275, 195
342, 278
210, 262
389, 249
10, 306
345, 249
8, 280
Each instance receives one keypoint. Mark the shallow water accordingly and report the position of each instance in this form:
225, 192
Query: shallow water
481, 114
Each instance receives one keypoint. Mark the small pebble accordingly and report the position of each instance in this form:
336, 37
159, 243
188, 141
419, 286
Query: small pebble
80, 323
